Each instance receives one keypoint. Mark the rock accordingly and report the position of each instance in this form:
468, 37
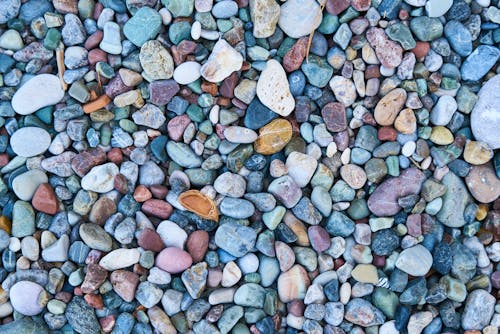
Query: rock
264, 15
477, 152
426, 29
148, 294
95, 237
365, 273
25, 185
437, 8
57, 251
81, 316
344, 90
171, 234
9, 10
44, 199
273, 137
362, 313
293, 284
25, 325
415, 261
384, 200
187, 72
124, 284
111, 41
273, 89
230, 184
197, 245
483, 183
156, 61
334, 116
240, 134
160, 321
418, 321
150, 116
28, 298
235, 239
458, 36
286, 191
299, 17
479, 62
389, 106
223, 61
100, 179
455, 201
195, 279
389, 53
173, 260
479, 308
120, 258
353, 175
484, 117
183, 155
443, 110
143, 26
250, 295
301, 167
38, 92
30, 141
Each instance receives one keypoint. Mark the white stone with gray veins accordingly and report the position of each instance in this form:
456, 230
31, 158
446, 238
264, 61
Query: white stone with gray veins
415, 261
485, 117
40, 91
273, 89
223, 61
9, 9
100, 178
299, 17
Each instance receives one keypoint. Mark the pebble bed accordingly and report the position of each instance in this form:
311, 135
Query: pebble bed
249, 166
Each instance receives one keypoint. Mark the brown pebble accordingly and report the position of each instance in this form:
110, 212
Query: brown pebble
45, 199
197, 245
157, 208
150, 240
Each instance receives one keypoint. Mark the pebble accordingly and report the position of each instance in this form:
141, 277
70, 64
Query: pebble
264, 15
273, 89
100, 178
25, 185
43, 90
435, 8
479, 308
299, 17
187, 72
415, 261
30, 141
143, 26
156, 61
293, 284
483, 120
28, 298
120, 258
223, 61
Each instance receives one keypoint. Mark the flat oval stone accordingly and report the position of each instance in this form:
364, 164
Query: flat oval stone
479, 62
483, 183
299, 17
273, 137
30, 141
187, 72
120, 258
484, 118
240, 135
223, 61
455, 200
389, 106
235, 239
173, 260
293, 284
38, 92
27, 298
415, 261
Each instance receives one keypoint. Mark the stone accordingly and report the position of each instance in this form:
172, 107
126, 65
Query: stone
301, 167
437, 8
483, 183
156, 61
455, 201
30, 141
223, 61
353, 175
173, 260
299, 17
111, 41
149, 115
293, 284
195, 279
38, 92
95, 237
273, 137
334, 116
81, 316
44, 199
389, 53
273, 89
120, 258
443, 110
264, 15
458, 36
240, 135
143, 26
362, 313
344, 90
25, 185
384, 200
28, 298
124, 284
100, 179
286, 191
484, 117
389, 106
415, 261
479, 62
230, 184
479, 308
187, 72
365, 273
9, 10
235, 239
477, 153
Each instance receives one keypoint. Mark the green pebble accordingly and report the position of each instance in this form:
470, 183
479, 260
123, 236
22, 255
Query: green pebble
52, 39
212, 142
128, 125
392, 163
358, 209
45, 114
143, 26
329, 24
349, 15
205, 100
224, 25
207, 128
121, 113
179, 31
105, 70
195, 113
178, 8
106, 134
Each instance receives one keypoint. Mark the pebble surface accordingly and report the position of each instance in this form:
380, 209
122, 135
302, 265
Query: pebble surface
249, 166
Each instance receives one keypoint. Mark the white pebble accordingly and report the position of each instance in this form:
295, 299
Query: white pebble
214, 114
14, 244
346, 156
409, 148
187, 72
345, 293
196, 30
387, 72
166, 17
211, 35
331, 149
248, 263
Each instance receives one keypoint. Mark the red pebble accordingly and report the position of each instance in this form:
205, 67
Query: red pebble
157, 208
387, 133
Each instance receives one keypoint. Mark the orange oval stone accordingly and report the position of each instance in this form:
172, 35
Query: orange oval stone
197, 202
273, 137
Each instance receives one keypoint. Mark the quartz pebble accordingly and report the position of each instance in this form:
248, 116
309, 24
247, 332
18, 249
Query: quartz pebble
40, 91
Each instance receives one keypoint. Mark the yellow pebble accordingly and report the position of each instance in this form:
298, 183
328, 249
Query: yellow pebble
5, 224
482, 211
440, 135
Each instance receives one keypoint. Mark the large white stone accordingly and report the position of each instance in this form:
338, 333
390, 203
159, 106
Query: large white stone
172, 234
187, 72
30, 141
273, 89
301, 167
100, 178
485, 117
437, 8
299, 17
38, 92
